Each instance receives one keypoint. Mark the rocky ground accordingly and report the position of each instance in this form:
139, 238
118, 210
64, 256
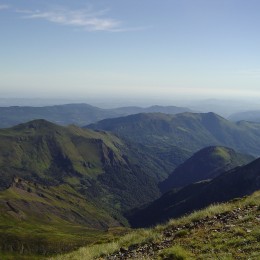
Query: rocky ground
232, 234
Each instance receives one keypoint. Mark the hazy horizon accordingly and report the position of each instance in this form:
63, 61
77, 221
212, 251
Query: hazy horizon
223, 107
135, 49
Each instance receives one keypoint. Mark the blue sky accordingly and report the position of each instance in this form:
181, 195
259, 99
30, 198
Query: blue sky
130, 48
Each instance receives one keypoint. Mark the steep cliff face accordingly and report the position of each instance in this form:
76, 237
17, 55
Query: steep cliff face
187, 131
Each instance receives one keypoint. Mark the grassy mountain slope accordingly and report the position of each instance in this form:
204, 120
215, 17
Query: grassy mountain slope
205, 164
78, 114
224, 231
237, 182
39, 220
49, 153
188, 131
96, 164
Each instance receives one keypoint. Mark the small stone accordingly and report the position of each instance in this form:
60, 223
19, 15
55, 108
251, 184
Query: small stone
122, 250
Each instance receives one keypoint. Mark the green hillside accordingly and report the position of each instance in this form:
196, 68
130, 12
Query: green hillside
205, 164
36, 220
189, 131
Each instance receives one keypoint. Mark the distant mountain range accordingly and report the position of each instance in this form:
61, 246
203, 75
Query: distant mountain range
188, 131
235, 183
78, 114
206, 164
251, 116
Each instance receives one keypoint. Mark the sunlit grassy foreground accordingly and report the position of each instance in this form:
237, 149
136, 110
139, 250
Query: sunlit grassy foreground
219, 242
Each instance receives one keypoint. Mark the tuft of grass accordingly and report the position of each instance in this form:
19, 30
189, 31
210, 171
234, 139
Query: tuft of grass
139, 237
256, 234
175, 253
181, 233
238, 231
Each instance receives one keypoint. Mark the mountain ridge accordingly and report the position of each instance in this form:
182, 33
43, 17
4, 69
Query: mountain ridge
205, 164
191, 131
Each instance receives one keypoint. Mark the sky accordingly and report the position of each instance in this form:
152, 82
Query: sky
129, 48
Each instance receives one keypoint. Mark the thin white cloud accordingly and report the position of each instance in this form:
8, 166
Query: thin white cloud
4, 7
85, 19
